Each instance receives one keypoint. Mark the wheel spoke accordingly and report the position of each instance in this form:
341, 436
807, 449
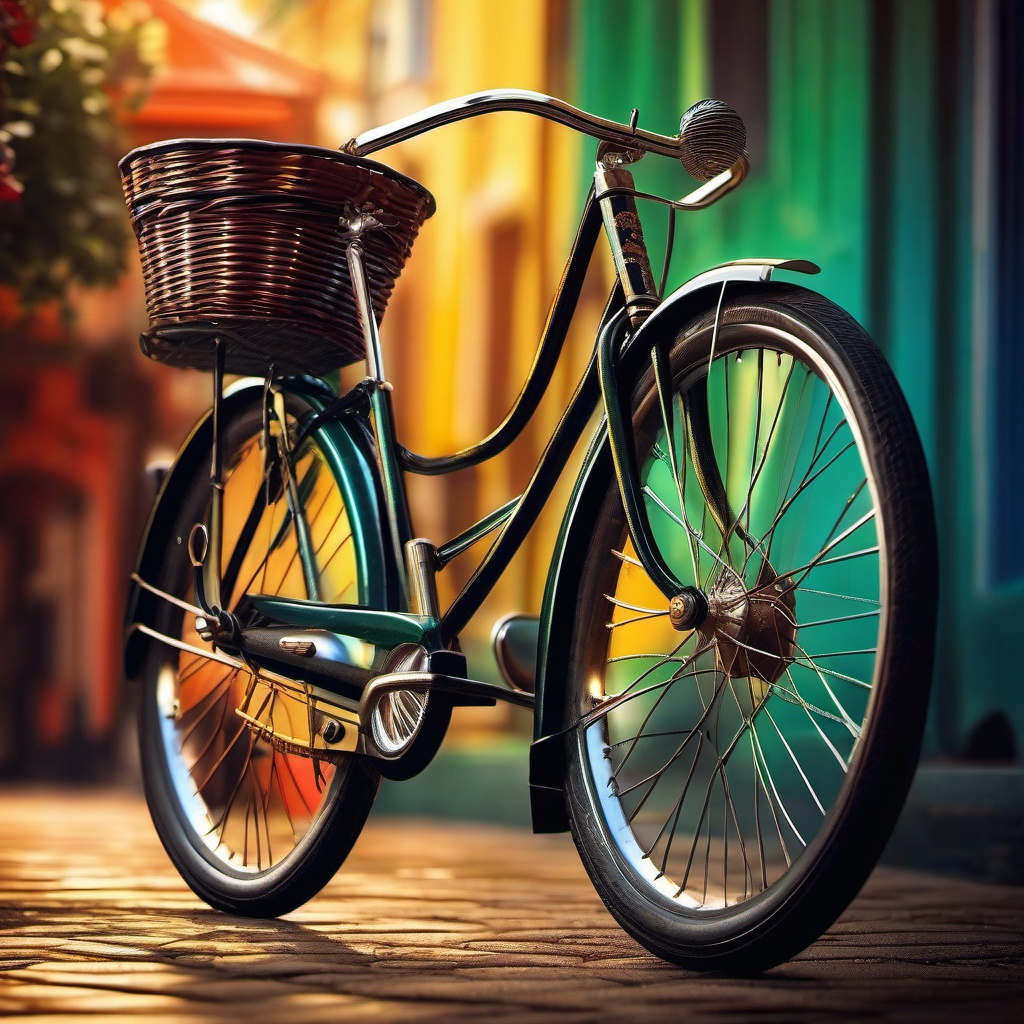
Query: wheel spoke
634, 607
630, 693
830, 545
755, 749
694, 731
761, 461
779, 802
216, 695
796, 761
224, 703
716, 555
640, 734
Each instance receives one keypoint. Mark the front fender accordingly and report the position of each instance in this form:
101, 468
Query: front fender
561, 600
344, 444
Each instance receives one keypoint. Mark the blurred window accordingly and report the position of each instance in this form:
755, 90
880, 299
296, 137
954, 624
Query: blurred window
738, 39
403, 28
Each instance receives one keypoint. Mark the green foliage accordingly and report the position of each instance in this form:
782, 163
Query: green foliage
59, 98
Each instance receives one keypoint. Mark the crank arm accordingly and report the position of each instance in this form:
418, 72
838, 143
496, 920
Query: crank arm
462, 692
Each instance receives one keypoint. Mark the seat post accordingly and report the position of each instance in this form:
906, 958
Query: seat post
382, 415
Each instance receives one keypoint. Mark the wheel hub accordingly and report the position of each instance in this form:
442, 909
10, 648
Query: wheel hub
754, 631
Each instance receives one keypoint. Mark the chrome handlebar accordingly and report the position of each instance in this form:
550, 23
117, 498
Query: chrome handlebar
525, 101
711, 142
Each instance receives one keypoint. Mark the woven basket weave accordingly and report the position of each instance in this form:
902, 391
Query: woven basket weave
240, 240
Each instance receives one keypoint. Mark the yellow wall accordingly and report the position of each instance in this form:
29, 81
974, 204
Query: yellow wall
470, 308
462, 327
503, 185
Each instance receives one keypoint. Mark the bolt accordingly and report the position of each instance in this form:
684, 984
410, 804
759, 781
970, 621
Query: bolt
332, 731
684, 610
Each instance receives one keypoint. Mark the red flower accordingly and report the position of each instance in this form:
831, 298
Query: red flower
16, 26
10, 189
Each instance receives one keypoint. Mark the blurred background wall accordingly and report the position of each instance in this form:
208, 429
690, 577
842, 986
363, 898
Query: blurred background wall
887, 145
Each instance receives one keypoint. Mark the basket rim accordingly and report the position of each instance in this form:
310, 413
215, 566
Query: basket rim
319, 152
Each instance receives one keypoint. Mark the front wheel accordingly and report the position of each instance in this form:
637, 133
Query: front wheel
731, 787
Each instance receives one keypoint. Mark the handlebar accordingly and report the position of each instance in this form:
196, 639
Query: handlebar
521, 100
711, 139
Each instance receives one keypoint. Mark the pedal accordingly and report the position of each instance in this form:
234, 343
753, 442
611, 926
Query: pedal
515, 640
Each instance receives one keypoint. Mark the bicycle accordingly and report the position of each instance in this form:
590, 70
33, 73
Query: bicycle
733, 658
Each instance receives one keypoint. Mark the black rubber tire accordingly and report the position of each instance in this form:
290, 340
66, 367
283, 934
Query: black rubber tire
344, 801
761, 928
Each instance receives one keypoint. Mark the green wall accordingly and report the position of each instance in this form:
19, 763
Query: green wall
870, 113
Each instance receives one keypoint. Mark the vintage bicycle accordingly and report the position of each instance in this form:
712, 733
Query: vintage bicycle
730, 672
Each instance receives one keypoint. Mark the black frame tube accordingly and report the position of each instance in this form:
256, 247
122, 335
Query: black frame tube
465, 540
569, 430
563, 308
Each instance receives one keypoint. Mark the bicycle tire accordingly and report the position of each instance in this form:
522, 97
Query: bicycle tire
245, 843
730, 802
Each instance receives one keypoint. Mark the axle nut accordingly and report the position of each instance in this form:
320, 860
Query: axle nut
681, 611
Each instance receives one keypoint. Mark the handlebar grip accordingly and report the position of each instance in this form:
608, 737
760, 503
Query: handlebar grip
712, 137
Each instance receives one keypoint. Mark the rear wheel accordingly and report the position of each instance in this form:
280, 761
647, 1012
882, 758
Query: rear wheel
254, 827
731, 787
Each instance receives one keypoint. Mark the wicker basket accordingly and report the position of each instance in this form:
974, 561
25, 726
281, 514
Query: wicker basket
240, 240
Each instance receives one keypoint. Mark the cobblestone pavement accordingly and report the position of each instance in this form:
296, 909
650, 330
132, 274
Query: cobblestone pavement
429, 921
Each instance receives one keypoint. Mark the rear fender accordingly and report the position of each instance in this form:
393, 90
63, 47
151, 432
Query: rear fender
561, 598
345, 443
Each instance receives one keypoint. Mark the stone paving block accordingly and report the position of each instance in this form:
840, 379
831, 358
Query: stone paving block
83, 999
430, 921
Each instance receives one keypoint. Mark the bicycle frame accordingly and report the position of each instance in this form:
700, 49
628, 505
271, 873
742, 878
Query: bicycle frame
611, 203
426, 623
635, 326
